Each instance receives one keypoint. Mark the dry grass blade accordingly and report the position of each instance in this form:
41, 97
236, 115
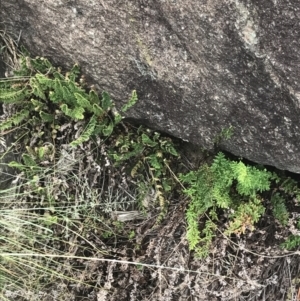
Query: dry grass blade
9, 51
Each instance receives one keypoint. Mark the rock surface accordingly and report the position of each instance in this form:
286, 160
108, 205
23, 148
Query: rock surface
199, 67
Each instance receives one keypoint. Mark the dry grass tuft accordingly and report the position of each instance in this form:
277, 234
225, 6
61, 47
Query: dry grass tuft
9, 52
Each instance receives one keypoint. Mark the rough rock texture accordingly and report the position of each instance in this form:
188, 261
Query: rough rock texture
198, 66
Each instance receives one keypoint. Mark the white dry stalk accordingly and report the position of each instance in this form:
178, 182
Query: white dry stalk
125, 216
66, 161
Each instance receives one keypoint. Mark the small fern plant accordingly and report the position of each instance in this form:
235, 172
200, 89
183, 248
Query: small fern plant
43, 101
146, 152
226, 185
288, 188
41, 93
46, 98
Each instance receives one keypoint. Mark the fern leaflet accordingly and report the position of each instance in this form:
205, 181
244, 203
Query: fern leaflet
87, 133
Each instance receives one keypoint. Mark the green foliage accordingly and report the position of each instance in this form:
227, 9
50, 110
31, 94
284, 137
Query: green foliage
49, 96
131, 235
225, 134
49, 112
16, 119
292, 242
46, 117
87, 133
30, 165
290, 186
237, 189
279, 209
245, 216
44, 95
145, 152
106, 102
250, 180
15, 94
75, 113
228, 185
131, 102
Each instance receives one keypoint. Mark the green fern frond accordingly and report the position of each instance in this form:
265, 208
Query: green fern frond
74, 73
279, 209
83, 102
290, 186
240, 172
68, 96
20, 116
206, 238
245, 216
200, 242
44, 81
107, 130
40, 65
17, 165
119, 158
106, 102
222, 171
6, 125
94, 98
97, 110
76, 113
163, 203
29, 161
117, 118
37, 105
58, 88
254, 180
136, 167
132, 101
14, 96
37, 89
23, 71
155, 164
226, 184
16, 119
46, 117
87, 133
193, 232
57, 75
168, 147
146, 140
221, 197
74, 88
291, 243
